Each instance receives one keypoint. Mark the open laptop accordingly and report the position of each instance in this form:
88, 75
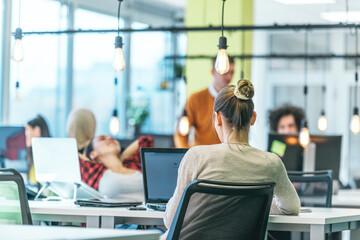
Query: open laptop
160, 171
57, 166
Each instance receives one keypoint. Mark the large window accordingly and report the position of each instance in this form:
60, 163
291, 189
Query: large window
93, 71
151, 82
294, 43
41, 75
354, 151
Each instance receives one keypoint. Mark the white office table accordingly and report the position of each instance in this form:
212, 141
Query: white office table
57, 211
318, 222
112, 216
26, 232
347, 198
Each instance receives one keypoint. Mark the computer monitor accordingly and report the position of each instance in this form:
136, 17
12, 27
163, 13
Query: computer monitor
327, 154
160, 171
13, 148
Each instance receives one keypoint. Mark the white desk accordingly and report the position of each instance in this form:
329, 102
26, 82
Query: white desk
347, 198
318, 222
64, 212
112, 216
23, 232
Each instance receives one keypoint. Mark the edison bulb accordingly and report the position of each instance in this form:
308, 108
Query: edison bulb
119, 60
184, 126
17, 53
222, 62
355, 124
17, 95
322, 123
304, 137
114, 125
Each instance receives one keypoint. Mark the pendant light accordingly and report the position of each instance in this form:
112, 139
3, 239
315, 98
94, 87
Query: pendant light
304, 136
114, 123
322, 122
114, 126
184, 125
222, 59
119, 59
355, 121
17, 52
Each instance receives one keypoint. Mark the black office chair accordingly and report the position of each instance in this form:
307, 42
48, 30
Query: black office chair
314, 188
219, 210
14, 206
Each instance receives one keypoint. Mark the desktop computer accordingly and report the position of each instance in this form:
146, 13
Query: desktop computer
327, 152
13, 148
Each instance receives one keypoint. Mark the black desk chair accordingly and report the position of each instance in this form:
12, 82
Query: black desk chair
218, 210
314, 188
14, 206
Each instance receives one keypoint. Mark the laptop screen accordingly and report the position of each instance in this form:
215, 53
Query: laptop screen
160, 170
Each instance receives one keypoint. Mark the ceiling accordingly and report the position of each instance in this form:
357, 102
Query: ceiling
271, 11
180, 4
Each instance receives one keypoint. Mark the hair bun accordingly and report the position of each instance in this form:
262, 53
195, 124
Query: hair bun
244, 89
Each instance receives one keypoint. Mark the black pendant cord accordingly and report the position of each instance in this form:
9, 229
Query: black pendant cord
306, 69
19, 11
325, 74
323, 99
222, 19
119, 16
356, 63
116, 91
243, 53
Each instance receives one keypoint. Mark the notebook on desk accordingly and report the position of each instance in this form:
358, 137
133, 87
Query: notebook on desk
160, 171
105, 203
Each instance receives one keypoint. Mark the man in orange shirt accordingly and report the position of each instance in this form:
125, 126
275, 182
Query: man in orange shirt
199, 109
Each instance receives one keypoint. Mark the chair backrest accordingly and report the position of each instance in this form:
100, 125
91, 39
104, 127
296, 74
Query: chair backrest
14, 206
219, 210
314, 188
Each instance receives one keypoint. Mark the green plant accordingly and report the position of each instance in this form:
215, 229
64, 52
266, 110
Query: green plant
138, 111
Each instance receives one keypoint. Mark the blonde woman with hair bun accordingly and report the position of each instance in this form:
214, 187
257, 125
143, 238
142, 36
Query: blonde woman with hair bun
233, 160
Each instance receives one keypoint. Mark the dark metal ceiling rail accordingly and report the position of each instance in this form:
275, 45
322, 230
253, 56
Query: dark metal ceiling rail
295, 27
271, 56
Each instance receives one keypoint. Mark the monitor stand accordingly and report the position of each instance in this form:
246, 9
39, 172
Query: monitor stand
76, 187
47, 184
309, 158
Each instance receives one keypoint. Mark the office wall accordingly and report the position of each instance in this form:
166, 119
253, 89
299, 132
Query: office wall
205, 13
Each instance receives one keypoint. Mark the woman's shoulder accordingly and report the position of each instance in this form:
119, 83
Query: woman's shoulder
206, 148
269, 157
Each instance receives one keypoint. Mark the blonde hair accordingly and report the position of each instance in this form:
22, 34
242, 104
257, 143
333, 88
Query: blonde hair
81, 125
235, 104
